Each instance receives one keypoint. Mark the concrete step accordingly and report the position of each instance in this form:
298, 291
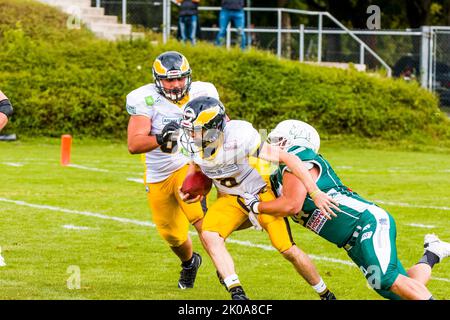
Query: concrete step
109, 27
113, 36
103, 26
81, 11
68, 3
137, 35
92, 11
98, 19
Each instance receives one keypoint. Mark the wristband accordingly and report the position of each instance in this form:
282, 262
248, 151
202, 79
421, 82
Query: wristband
314, 193
255, 207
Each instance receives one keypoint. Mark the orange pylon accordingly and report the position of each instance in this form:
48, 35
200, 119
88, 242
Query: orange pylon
66, 144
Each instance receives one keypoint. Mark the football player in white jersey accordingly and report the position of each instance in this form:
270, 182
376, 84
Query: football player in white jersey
221, 150
154, 111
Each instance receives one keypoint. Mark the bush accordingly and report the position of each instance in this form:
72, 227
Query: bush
67, 81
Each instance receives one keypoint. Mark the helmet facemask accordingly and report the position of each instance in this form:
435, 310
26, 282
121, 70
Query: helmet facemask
175, 94
199, 139
278, 140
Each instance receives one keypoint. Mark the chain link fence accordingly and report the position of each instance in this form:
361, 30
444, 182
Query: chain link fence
441, 67
143, 13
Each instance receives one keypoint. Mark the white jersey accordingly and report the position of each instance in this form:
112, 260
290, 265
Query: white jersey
229, 167
146, 101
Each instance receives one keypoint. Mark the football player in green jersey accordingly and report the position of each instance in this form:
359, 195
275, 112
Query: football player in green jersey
364, 230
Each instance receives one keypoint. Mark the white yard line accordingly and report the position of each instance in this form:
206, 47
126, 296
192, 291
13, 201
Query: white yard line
148, 224
72, 165
83, 213
408, 205
13, 164
391, 170
419, 225
72, 227
138, 180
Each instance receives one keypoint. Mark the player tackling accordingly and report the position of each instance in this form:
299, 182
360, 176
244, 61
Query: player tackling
221, 150
366, 231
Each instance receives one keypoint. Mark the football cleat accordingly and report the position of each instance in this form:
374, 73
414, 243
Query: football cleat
433, 244
221, 280
328, 295
237, 293
188, 274
2, 261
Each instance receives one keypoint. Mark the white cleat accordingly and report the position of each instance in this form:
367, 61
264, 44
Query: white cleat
433, 244
2, 261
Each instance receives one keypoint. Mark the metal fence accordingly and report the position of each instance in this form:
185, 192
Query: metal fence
439, 63
145, 13
421, 55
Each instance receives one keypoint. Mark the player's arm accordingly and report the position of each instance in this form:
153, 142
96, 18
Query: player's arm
290, 203
274, 154
185, 196
139, 140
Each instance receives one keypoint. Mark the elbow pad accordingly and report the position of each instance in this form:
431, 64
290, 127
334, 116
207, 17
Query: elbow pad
6, 107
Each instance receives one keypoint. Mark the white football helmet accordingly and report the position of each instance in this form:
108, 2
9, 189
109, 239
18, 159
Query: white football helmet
294, 133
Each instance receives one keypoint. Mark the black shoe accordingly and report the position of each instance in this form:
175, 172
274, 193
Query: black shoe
237, 293
221, 280
188, 274
328, 295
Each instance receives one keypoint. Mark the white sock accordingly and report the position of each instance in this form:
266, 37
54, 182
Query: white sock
320, 287
232, 281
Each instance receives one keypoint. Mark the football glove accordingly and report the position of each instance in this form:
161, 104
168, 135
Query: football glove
167, 139
251, 202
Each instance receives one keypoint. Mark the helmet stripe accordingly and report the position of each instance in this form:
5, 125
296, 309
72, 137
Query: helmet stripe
159, 68
185, 65
206, 115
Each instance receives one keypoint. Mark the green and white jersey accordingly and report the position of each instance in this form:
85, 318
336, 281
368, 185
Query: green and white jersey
339, 229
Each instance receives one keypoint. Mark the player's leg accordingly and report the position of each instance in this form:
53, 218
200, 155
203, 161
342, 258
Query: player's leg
224, 19
223, 217
281, 238
173, 226
194, 213
238, 20
374, 250
435, 250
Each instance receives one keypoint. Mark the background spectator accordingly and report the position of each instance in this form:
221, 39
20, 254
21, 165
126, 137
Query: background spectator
188, 20
232, 10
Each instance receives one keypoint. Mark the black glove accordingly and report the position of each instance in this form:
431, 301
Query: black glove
167, 139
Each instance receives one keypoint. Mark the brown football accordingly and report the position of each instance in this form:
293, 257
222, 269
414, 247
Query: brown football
196, 183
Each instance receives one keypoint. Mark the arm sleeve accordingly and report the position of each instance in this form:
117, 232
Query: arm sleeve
304, 154
136, 106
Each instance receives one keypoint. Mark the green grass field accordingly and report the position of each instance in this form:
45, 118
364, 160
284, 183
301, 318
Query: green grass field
121, 256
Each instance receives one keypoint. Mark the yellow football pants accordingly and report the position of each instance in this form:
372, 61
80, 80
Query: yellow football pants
226, 215
170, 214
